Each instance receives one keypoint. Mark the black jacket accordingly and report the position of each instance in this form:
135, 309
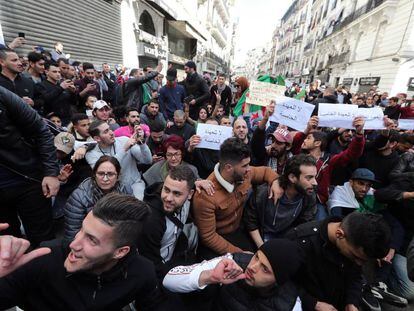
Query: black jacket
204, 160
21, 86
404, 167
326, 275
330, 99
254, 214
52, 98
241, 297
196, 86
132, 93
149, 244
26, 144
44, 284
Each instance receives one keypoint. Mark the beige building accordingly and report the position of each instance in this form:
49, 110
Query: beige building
358, 43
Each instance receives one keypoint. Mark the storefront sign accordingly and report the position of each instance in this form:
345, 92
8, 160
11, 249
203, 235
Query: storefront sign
150, 50
369, 80
347, 81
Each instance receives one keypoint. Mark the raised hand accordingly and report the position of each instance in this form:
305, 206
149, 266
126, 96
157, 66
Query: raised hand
12, 252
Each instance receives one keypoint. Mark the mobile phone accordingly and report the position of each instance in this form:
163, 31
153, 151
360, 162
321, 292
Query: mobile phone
21, 35
160, 154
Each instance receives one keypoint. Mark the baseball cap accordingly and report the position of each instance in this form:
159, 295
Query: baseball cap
99, 104
171, 74
64, 142
282, 136
363, 174
190, 64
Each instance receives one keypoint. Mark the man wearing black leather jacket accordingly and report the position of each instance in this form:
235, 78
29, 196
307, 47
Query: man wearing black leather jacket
28, 169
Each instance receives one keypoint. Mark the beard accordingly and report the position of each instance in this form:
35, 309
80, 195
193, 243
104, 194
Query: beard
237, 178
301, 190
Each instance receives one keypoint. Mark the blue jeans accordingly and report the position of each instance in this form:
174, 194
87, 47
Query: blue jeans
398, 280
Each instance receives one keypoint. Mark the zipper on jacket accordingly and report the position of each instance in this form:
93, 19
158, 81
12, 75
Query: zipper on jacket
99, 287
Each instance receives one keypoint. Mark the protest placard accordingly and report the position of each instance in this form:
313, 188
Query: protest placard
406, 124
292, 112
212, 136
374, 118
261, 93
337, 115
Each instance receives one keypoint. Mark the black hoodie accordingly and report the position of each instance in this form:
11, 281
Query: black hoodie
44, 284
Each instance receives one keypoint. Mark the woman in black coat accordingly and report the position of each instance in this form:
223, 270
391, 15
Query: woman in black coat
105, 179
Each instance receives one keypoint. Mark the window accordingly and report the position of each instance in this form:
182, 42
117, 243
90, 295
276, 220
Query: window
355, 54
379, 38
146, 22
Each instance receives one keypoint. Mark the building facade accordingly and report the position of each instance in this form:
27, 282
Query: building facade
135, 33
357, 43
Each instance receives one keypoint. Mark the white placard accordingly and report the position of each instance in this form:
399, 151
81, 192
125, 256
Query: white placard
212, 136
292, 112
337, 115
374, 118
406, 124
261, 93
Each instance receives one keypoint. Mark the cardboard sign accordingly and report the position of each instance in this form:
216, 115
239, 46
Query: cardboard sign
212, 136
406, 124
374, 118
261, 93
337, 115
292, 112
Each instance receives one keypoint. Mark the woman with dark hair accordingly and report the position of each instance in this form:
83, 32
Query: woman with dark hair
105, 179
203, 115
174, 150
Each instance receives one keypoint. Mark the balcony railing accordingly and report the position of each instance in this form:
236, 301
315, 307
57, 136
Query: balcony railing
372, 4
298, 39
308, 45
339, 59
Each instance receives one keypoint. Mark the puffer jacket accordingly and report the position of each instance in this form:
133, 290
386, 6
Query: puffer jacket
80, 202
26, 144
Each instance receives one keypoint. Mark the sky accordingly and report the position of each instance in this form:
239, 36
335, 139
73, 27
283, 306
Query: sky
257, 20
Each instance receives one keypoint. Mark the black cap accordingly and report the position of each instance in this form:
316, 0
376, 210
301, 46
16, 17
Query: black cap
190, 64
284, 257
171, 74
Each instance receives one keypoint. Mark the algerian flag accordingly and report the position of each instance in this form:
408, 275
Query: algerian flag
301, 95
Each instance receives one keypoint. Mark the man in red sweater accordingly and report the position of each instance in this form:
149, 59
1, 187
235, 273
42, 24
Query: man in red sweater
315, 142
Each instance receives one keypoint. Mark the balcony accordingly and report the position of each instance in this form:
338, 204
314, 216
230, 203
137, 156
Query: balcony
218, 32
309, 45
298, 39
222, 10
339, 59
372, 4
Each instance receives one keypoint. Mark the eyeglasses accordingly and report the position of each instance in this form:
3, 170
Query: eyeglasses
173, 155
108, 175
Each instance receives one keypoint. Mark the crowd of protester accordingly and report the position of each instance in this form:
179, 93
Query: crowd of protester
276, 219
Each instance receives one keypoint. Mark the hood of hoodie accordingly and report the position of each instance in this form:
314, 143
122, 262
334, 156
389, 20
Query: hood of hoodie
152, 196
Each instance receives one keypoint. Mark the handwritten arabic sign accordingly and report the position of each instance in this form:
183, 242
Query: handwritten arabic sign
292, 112
337, 115
374, 118
261, 93
342, 115
406, 124
212, 136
